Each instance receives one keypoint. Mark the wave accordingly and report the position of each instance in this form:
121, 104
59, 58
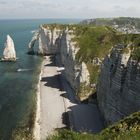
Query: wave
33, 31
22, 70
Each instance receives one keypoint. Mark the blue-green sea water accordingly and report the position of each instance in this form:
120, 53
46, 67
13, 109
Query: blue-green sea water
18, 89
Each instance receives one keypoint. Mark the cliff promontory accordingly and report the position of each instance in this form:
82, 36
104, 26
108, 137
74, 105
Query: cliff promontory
79, 49
97, 60
102, 66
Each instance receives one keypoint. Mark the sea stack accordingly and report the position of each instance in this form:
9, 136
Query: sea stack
9, 53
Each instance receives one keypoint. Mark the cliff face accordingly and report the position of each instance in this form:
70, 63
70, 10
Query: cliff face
47, 39
59, 42
32, 43
118, 87
53, 37
76, 73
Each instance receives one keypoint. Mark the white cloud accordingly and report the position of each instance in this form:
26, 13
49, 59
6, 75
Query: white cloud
68, 8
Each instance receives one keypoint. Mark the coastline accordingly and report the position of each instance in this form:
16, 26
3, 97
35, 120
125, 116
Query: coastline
36, 130
52, 109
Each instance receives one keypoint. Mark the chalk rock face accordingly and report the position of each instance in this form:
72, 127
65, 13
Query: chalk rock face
67, 53
9, 51
53, 37
48, 40
84, 74
75, 72
59, 41
125, 58
118, 90
42, 43
32, 43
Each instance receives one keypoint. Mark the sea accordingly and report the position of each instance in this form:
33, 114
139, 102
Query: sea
18, 87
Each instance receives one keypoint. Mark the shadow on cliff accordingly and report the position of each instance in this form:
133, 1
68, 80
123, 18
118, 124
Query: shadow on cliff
71, 99
53, 82
52, 60
65, 119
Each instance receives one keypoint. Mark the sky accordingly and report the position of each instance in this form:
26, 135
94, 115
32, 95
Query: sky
21, 9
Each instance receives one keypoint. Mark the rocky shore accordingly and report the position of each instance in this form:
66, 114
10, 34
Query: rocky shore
36, 131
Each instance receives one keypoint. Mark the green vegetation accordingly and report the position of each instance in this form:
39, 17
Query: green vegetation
55, 25
136, 47
133, 41
126, 129
70, 135
94, 72
84, 89
128, 125
95, 42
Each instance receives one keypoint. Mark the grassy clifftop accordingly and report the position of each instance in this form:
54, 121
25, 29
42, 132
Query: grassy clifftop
95, 42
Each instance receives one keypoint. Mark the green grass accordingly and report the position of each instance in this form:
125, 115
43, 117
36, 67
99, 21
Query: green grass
95, 42
70, 135
84, 89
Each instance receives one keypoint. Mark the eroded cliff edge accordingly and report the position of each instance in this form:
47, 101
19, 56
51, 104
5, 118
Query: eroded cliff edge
86, 52
119, 85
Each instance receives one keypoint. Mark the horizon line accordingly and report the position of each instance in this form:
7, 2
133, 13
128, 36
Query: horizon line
67, 18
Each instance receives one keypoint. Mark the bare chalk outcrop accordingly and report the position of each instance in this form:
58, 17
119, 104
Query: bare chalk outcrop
9, 53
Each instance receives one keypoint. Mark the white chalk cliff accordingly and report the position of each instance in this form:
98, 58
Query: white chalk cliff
9, 51
32, 42
58, 41
47, 40
119, 86
76, 73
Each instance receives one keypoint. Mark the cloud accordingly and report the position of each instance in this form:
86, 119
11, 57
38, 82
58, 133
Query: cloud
68, 8
3, 2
